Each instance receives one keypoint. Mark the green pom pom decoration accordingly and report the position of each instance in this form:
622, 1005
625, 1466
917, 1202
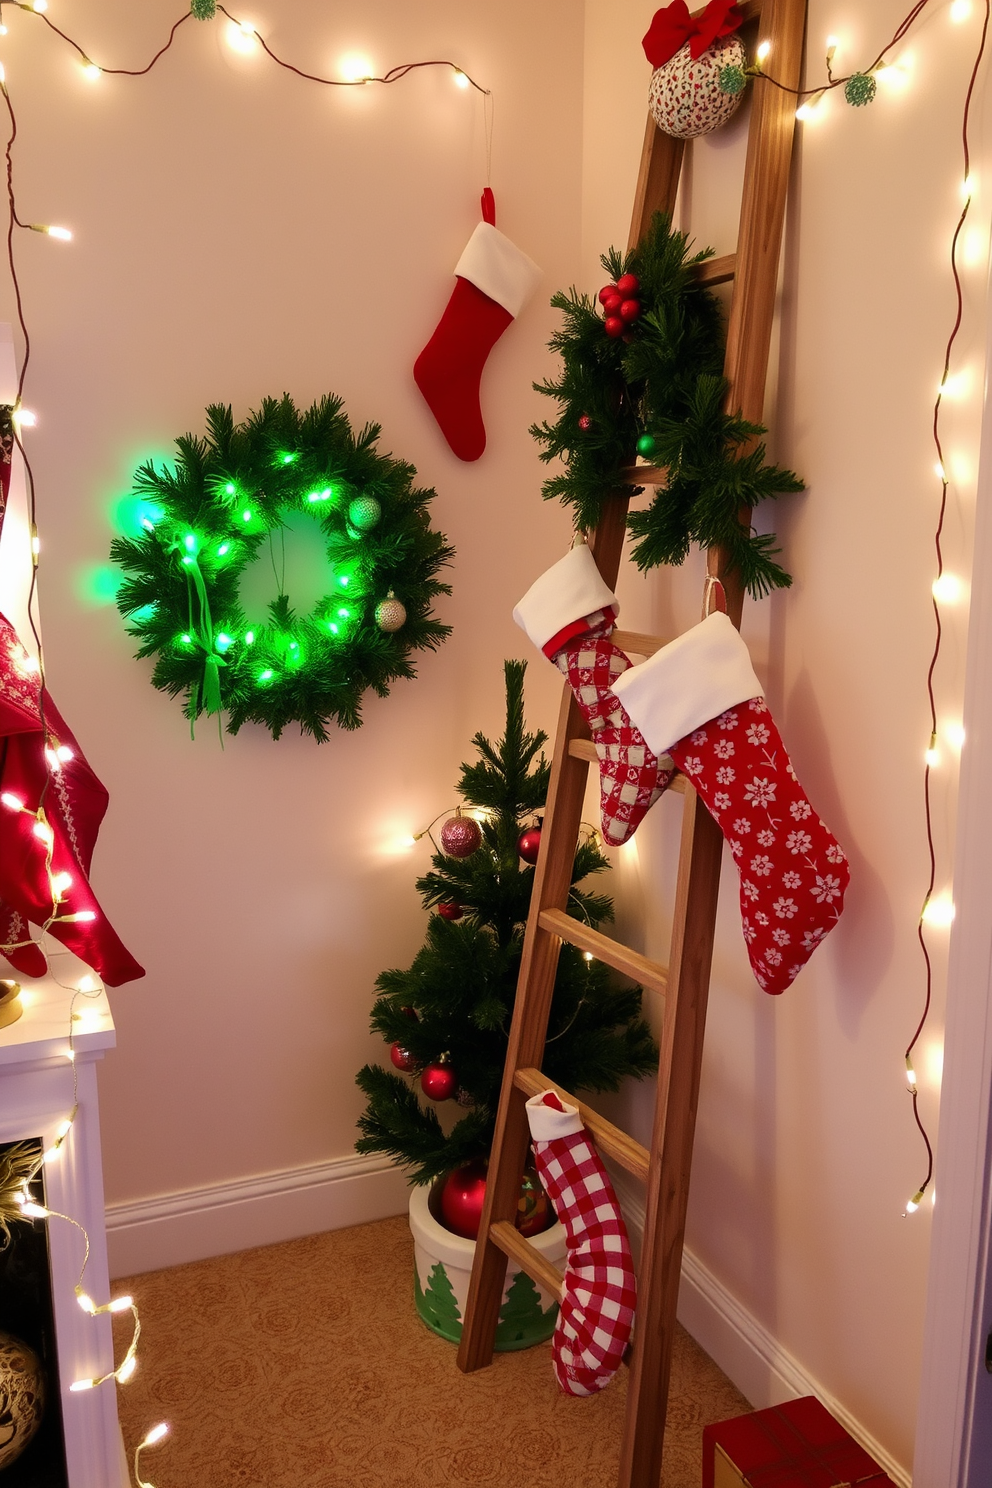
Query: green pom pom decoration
203, 10
860, 89
645, 445
732, 79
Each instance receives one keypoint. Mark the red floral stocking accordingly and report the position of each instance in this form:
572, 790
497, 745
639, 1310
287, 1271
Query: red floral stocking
793, 872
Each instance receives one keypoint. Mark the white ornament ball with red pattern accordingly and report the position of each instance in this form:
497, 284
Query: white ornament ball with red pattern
685, 97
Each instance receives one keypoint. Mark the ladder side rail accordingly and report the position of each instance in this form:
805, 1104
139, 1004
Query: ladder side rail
749, 331
535, 987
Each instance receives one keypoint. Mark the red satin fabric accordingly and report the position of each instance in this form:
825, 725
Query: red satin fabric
673, 26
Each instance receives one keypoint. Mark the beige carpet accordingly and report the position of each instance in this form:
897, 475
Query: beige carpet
304, 1365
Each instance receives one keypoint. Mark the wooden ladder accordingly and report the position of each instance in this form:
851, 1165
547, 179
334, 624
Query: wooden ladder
684, 983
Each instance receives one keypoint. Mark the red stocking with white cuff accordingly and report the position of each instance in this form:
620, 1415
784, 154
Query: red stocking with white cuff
494, 282
599, 1292
569, 615
699, 699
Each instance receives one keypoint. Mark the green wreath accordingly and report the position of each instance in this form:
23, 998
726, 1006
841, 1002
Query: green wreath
656, 385
203, 520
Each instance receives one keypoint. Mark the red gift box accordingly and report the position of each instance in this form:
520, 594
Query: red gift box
796, 1445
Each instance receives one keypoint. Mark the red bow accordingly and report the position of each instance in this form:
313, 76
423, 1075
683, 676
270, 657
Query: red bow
673, 26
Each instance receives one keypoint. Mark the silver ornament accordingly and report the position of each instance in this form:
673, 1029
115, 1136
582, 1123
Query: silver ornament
364, 512
390, 613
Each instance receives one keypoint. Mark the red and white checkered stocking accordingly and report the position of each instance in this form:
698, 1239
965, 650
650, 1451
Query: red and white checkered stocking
700, 699
599, 1292
577, 640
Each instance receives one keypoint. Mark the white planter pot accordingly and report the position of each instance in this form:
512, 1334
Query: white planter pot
443, 1268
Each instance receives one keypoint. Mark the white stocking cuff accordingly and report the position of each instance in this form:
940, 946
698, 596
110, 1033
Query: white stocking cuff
685, 684
571, 588
498, 267
547, 1124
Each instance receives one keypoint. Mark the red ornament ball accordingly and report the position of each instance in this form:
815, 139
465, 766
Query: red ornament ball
402, 1059
463, 1194
529, 844
630, 309
585, 423
439, 1082
606, 293
628, 284
461, 836
450, 910
411, 1013
615, 326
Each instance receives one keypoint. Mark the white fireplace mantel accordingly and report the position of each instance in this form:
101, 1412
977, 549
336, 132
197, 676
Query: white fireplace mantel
35, 1097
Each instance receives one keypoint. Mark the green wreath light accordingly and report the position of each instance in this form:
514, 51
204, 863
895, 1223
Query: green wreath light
200, 523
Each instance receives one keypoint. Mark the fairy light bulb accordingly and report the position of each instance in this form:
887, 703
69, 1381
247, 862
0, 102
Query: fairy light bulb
932, 755
85, 1302
127, 1369
39, 6
939, 912
156, 1434
461, 81
915, 1202
947, 589
120, 1304
82, 1384
24, 418
356, 69
83, 917
12, 802
91, 72
241, 36
62, 233
61, 882
940, 472
763, 50
43, 832
87, 984
832, 45
910, 1073
960, 11
34, 1211
968, 187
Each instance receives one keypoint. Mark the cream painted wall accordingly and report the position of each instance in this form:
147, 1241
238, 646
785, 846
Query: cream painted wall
805, 1151
239, 233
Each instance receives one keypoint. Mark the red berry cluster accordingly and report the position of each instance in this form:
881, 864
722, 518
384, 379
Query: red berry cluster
620, 303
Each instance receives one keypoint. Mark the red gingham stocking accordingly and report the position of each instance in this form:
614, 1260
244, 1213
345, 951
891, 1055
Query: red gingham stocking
631, 778
793, 872
599, 1292
569, 614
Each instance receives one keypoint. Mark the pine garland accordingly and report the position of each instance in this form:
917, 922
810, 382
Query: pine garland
462, 982
203, 520
663, 380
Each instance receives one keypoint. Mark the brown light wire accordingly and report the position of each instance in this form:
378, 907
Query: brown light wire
938, 628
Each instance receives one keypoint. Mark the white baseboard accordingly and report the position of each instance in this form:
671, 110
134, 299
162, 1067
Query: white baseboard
172, 1229
749, 1355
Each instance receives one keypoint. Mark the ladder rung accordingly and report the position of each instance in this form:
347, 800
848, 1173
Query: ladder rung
513, 1244
637, 641
644, 475
608, 1138
717, 270
585, 749
650, 974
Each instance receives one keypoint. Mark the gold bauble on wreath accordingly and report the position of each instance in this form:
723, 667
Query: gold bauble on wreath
390, 613
22, 1397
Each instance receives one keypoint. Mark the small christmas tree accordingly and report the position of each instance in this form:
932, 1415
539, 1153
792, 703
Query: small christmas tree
453, 1006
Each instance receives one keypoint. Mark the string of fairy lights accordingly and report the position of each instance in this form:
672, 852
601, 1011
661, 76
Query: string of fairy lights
242, 37
937, 909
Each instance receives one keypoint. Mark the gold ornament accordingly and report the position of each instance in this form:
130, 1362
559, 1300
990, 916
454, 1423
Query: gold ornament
390, 613
22, 1389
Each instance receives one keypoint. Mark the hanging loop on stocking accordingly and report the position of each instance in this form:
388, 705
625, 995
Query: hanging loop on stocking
714, 596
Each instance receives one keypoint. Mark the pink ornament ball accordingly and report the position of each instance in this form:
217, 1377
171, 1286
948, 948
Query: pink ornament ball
461, 836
